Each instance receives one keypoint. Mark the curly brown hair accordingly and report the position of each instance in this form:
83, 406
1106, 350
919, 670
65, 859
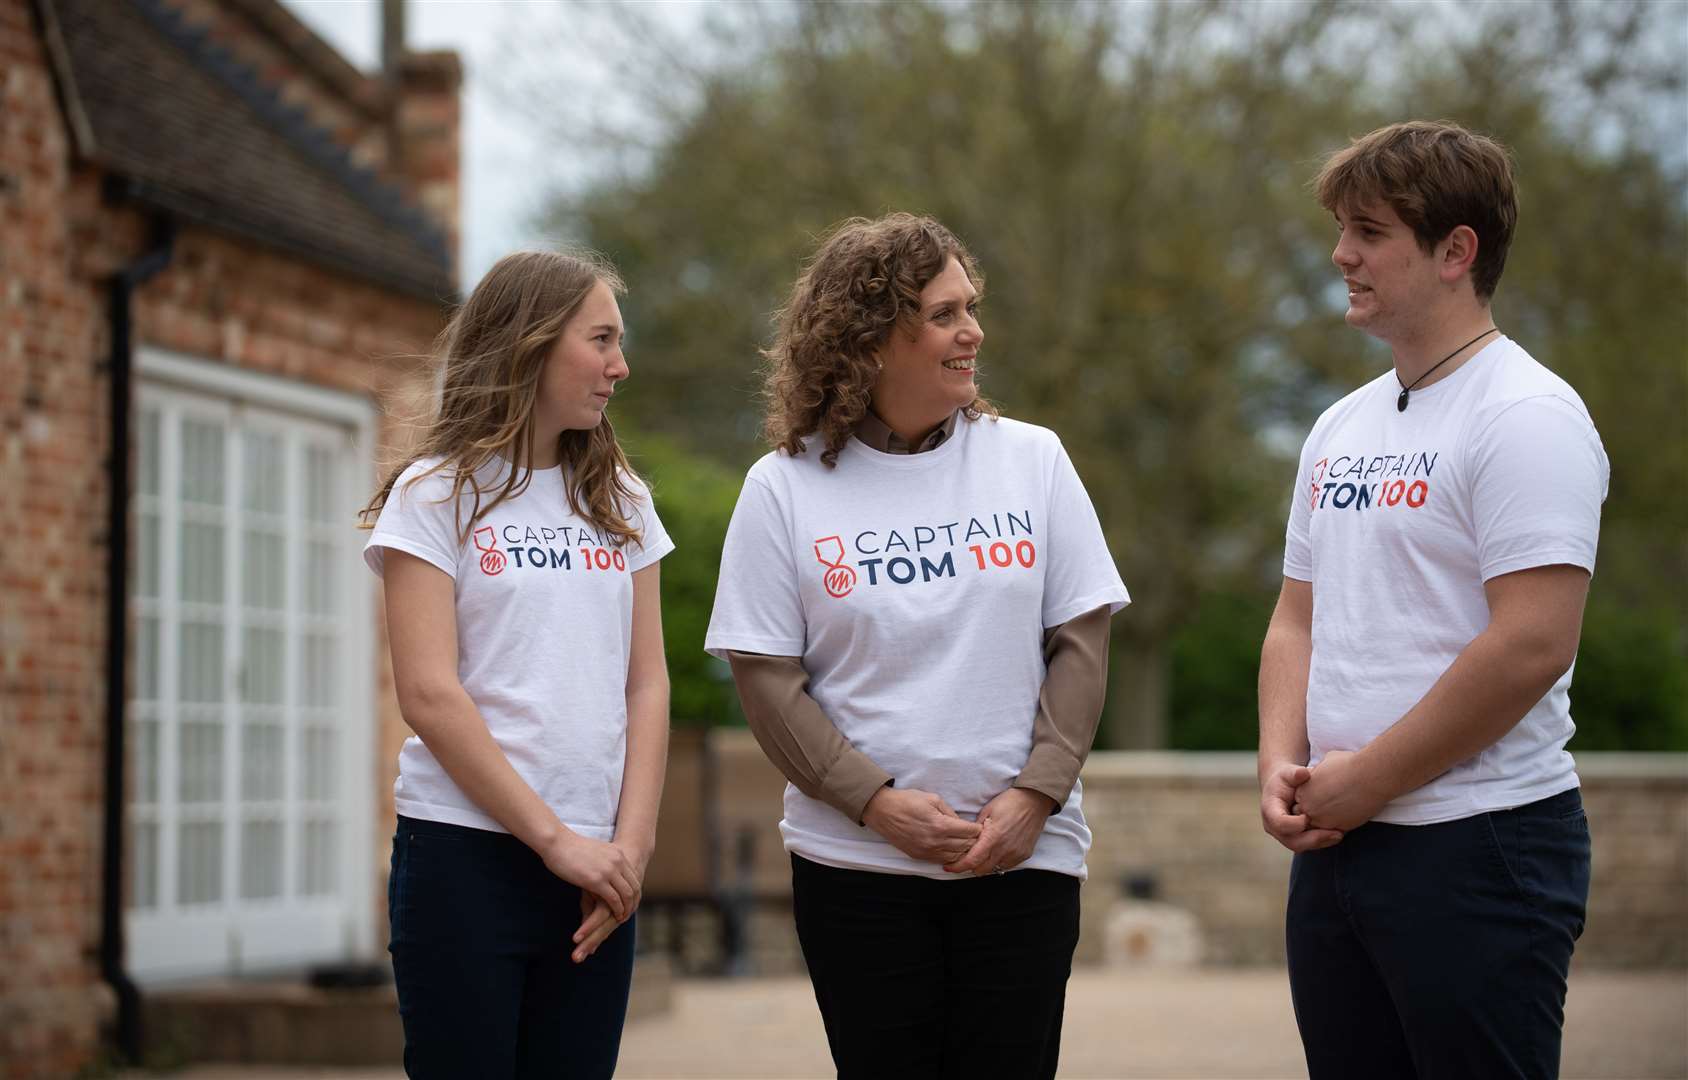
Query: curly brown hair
863, 282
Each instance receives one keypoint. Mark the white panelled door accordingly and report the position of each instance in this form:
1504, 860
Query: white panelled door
251, 727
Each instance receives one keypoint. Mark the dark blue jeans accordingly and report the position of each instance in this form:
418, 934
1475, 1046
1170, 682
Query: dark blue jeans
1440, 951
938, 980
481, 937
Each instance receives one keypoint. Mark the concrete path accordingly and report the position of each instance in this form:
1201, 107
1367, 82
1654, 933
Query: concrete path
1220, 1025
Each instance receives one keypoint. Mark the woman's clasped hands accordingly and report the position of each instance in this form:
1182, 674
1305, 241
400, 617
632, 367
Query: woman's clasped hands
923, 826
1009, 827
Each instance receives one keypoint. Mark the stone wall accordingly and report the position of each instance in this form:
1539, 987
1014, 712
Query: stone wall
1190, 821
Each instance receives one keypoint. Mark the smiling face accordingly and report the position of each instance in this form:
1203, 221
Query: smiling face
928, 375
582, 369
1394, 285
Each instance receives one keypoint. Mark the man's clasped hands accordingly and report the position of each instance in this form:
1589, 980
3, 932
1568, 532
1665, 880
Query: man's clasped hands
1305, 808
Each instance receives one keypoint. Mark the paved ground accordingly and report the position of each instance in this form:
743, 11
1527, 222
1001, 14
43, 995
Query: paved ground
1221, 1025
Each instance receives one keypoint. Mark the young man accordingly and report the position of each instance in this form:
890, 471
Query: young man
1413, 683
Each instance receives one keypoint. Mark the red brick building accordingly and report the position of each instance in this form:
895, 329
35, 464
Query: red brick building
222, 249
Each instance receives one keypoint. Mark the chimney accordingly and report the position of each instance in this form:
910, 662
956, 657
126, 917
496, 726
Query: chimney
426, 114
392, 38
425, 121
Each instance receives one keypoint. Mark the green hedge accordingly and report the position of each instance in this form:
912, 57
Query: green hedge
695, 497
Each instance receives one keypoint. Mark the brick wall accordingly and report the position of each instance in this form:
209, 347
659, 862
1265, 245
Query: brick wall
219, 300
51, 632
1192, 822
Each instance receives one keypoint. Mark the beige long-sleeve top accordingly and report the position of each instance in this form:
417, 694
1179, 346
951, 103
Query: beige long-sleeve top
804, 744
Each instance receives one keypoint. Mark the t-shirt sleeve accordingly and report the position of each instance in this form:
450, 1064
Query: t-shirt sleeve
1538, 477
654, 541
757, 606
1081, 575
420, 519
1298, 541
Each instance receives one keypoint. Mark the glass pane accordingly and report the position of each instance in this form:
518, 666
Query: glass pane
202, 562
260, 860
146, 555
262, 661
199, 862
321, 503
316, 859
146, 761
260, 763
200, 671
147, 469
264, 488
199, 762
202, 462
261, 577
319, 577
143, 866
146, 658
316, 673
317, 770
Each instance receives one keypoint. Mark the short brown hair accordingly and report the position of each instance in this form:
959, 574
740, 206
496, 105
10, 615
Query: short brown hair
864, 281
1436, 176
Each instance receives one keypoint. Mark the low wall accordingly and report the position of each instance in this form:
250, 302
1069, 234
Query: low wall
1191, 821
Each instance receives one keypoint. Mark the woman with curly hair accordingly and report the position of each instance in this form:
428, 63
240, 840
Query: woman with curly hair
519, 554
914, 598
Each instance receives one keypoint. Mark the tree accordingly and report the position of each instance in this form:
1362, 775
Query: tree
1133, 181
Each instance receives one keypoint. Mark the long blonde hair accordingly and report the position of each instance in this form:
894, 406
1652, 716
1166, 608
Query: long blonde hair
492, 353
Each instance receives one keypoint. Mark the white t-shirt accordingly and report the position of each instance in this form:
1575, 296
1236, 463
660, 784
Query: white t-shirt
544, 633
1398, 519
916, 589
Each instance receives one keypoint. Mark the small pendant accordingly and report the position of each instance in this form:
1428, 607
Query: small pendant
1401, 402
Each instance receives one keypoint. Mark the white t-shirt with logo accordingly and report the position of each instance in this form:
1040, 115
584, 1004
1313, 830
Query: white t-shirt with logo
1398, 519
544, 634
916, 589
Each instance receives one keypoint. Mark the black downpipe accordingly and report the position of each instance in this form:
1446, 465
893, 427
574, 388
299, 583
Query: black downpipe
120, 369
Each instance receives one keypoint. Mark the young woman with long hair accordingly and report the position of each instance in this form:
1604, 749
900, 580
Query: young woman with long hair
519, 555
914, 597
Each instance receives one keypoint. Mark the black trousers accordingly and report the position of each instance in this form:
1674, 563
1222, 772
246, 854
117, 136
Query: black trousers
481, 937
1440, 952
932, 979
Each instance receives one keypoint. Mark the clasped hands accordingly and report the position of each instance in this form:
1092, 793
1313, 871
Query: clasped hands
924, 827
610, 876
1305, 809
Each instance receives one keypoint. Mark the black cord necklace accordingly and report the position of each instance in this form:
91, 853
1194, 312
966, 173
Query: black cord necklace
1401, 402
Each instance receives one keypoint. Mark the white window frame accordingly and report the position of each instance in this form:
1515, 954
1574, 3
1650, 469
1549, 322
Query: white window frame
171, 942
